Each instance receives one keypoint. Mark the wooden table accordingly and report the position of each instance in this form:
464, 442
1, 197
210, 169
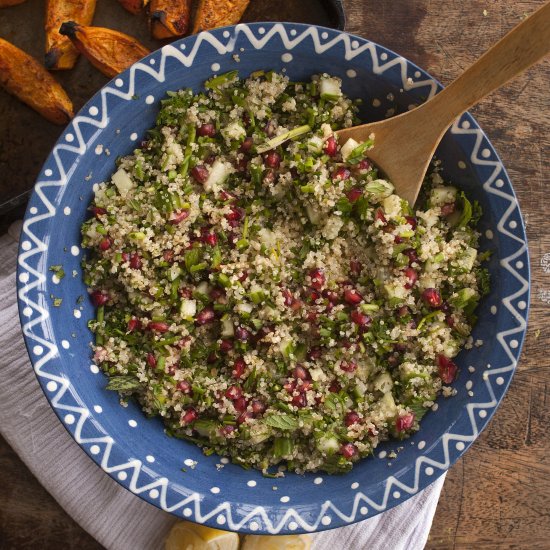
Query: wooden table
497, 496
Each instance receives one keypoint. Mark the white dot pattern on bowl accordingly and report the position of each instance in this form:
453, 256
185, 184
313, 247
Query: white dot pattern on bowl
51, 385
150, 459
48, 172
94, 449
421, 445
486, 153
26, 245
522, 304
215, 67
396, 494
364, 510
220, 520
226, 34
67, 210
429, 471
465, 124
122, 476
254, 525
513, 224
150, 100
318, 480
215, 490
98, 408
355, 485
33, 210
489, 234
69, 419
351, 73
75, 251
382, 454
461, 164
460, 446
494, 310
519, 264
24, 277
38, 350
293, 526
326, 520
286, 57
355, 44
514, 344
94, 369
133, 136
27, 311
284, 499
69, 138
261, 30
119, 82
132, 423
251, 483
93, 110
499, 183
383, 56
65, 344
153, 493
324, 35
187, 512
482, 414
77, 313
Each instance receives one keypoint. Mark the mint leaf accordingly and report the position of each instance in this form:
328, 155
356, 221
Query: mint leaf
282, 421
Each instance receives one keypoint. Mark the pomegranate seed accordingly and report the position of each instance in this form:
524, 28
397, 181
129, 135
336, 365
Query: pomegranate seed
242, 334
216, 293
240, 404
184, 386
239, 367
212, 358
135, 260
403, 311
258, 406
189, 416
236, 214
210, 239
306, 385
314, 296
334, 387
288, 297
341, 173
269, 177
290, 386
227, 430
180, 344
125, 256
296, 305
105, 244
97, 211
348, 366
448, 208
412, 277
133, 324
270, 128
354, 194
246, 145
200, 173
317, 278
447, 369
348, 450
345, 343
432, 297
331, 147
272, 160
360, 318
404, 422
246, 119
158, 326
445, 307
379, 216
397, 239
450, 320
151, 360
205, 316
352, 297
412, 255
355, 267
352, 418
314, 353
299, 400
226, 196
185, 292
364, 165
300, 373
233, 392
244, 416
243, 277
226, 345
331, 296
99, 298
242, 165
168, 256
178, 216
412, 221
312, 317
206, 130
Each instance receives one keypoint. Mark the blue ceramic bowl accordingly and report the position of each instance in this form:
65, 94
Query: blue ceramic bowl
134, 450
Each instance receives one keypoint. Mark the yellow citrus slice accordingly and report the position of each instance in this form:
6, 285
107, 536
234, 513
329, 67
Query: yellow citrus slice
190, 536
285, 542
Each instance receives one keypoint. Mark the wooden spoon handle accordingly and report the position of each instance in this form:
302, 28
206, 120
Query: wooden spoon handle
522, 47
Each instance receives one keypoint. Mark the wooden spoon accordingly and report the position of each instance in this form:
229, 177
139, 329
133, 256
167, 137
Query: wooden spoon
405, 144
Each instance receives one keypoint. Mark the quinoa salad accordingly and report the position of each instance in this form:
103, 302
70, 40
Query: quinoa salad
260, 287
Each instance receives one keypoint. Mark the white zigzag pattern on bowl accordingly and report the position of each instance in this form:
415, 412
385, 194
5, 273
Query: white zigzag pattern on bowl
135, 466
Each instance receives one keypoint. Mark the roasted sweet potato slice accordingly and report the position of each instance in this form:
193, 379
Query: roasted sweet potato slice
169, 18
109, 51
8, 3
218, 13
25, 78
133, 6
60, 53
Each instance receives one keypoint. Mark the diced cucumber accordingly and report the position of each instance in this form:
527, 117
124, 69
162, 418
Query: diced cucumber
387, 405
328, 444
392, 206
348, 147
203, 288
379, 189
395, 291
244, 308
228, 329
433, 263
206, 428
315, 145
383, 382
174, 272
466, 260
259, 432
188, 308
443, 195
313, 214
256, 294
219, 172
267, 237
122, 181
286, 347
408, 371
330, 89
463, 297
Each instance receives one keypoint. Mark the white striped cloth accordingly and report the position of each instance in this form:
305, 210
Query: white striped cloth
110, 513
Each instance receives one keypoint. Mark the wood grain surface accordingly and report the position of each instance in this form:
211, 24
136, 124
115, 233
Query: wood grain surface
497, 496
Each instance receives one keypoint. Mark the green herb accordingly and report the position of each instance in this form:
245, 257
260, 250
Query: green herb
123, 383
282, 421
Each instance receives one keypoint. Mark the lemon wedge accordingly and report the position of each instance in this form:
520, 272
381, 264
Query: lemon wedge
190, 536
285, 542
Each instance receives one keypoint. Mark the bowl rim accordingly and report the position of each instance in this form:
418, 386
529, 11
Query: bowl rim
292, 522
